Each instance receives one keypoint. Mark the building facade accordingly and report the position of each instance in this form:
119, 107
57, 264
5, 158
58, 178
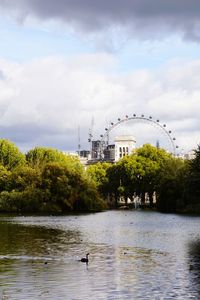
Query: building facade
124, 145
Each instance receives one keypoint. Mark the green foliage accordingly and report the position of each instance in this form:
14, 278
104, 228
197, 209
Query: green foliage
50, 181
98, 173
153, 153
171, 187
193, 180
56, 182
69, 190
150, 170
23, 177
89, 198
10, 156
40, 156
27, 200
4, 178
138, 173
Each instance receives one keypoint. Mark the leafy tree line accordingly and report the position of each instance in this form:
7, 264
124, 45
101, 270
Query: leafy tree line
44, 180
175, 181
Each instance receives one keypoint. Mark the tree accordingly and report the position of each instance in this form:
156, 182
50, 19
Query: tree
131, 175
69, 190
98, 173
25, 177
155, 159
10, 156
5, 176
171, 186
49, 181
138, 173
40, 156
193, 180
153, 153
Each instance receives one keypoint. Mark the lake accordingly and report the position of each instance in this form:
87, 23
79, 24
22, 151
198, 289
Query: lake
133, 255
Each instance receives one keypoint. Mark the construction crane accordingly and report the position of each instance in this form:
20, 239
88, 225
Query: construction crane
90, 135
79, 141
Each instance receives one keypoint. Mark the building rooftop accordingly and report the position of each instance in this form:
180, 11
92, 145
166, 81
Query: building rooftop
123, 138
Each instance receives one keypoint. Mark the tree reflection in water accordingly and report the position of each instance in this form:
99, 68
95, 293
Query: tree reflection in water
134, 255
194, 264
17, 239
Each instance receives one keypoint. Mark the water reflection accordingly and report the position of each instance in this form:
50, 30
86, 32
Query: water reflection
30, 258
194, 265
132, 256
35, 240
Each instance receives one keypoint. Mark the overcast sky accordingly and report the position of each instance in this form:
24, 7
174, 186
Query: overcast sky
73, 63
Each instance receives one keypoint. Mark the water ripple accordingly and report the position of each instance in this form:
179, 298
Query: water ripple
133, 255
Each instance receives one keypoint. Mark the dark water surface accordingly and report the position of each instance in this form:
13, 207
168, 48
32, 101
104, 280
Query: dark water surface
133, 255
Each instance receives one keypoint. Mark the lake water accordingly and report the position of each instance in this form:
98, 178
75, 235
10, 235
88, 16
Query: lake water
133, 255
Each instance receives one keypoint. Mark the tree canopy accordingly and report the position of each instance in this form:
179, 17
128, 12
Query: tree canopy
10, 155
147, 171
137, 173
44, 180
192, 193
48, 180
39, 156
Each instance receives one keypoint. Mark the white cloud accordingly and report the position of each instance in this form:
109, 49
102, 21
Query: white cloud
44, 101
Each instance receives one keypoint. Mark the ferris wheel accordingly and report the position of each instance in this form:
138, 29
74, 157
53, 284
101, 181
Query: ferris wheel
105, 138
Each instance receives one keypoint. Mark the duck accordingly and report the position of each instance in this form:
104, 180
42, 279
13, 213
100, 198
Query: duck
85, 259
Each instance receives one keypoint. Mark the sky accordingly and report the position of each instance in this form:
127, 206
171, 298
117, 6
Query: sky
68, 67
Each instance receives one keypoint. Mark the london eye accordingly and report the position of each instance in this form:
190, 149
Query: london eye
156, 123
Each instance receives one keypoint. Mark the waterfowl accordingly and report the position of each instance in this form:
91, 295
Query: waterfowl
85, 259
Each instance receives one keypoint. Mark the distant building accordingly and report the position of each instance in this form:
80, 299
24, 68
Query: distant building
190, 155
95, 149
70, 153
124, 145
85, 153
109, 153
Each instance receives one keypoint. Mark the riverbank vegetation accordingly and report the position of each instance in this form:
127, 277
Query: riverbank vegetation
154, 173
46, 180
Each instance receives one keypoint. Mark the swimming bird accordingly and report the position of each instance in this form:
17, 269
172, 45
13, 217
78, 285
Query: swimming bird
85, 259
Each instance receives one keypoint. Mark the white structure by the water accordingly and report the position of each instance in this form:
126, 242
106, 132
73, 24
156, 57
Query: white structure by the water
124, 145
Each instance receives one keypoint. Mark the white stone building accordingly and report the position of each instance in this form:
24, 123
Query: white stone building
124, 145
